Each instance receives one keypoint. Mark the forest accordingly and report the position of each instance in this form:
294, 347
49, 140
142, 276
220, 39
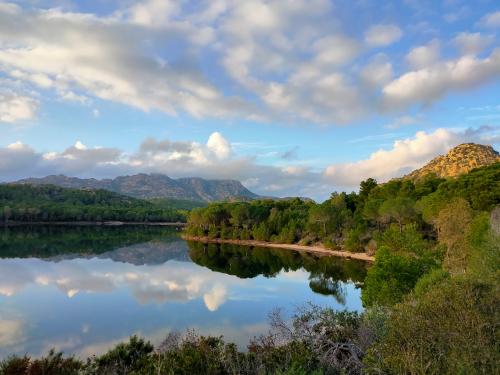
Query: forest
48, 203
430, 298
354, 221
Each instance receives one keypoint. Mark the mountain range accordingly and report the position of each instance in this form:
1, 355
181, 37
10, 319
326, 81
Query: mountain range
459, 160
148, 186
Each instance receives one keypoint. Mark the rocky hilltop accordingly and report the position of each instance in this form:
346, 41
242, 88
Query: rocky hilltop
147, 186
459, 160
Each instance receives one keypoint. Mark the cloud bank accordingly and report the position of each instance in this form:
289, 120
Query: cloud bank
218, 159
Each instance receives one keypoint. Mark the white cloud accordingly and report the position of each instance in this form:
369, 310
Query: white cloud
378, 71
491, 20
80, 146
472, 43
383, 35
428, 84
159, 284
10, 8
219, 145
11, 332
18, 157
405, 156
104, 58
336, 50
15, 108
40, 80
79, 159
259, 60
424, 56
215, 297
153, 12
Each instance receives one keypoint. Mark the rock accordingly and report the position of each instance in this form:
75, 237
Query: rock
459, 160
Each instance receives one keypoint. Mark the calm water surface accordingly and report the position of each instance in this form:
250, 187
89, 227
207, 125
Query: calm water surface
84, 289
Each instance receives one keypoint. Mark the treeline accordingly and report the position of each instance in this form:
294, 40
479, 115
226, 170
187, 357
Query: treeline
48, 203
355, 221
176, 204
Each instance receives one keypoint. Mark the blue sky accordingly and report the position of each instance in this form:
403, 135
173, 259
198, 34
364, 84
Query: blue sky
290, 97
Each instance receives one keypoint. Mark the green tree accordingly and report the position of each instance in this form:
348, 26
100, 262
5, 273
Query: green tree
366, 187
239, 215
407, 240
453, 223
391, 277
322, 215
399, 209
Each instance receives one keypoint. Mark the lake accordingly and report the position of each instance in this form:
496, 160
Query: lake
83, 289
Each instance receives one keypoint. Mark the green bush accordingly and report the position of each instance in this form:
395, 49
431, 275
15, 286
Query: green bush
450, 329
354, 241
53, 364
405, 240
391, 277
429, 280
213, 233
125, 358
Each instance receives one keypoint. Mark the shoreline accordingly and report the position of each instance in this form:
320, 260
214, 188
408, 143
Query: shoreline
92, 223
320, 250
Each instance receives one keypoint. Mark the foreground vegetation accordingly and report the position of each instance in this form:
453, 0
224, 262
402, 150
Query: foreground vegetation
48, 203
431, 297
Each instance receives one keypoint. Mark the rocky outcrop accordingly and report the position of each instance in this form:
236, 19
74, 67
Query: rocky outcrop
459, 160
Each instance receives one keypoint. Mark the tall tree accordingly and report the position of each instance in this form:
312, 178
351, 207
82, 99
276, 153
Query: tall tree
398, 209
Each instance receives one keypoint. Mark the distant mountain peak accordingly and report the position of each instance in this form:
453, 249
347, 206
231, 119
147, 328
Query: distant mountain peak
154, 185
459, 160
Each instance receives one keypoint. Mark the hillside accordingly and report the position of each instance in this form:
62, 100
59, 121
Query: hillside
148, 186
49, 203
459, 160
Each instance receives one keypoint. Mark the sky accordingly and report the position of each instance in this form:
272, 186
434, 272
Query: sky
292, 98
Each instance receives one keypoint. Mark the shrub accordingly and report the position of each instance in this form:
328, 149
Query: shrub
354, 240
391, 277
450, 329
125, 358
429, 280
213, 232
404, 240
52, 364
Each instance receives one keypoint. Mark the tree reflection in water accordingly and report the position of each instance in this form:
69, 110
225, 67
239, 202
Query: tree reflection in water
328, 275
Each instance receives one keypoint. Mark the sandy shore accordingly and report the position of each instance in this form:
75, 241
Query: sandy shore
310, 249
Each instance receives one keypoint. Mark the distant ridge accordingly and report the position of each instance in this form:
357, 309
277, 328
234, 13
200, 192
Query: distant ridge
459, 160
148, 186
